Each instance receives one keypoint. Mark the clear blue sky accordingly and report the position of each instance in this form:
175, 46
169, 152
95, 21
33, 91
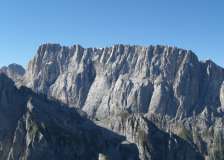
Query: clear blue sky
191, 24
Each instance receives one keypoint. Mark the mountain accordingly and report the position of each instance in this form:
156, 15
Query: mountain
134, 90
159, 80
33, 128
14, 71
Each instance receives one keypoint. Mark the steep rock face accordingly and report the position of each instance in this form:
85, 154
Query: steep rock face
13, 71
161, 102
61, 72
154, 80
222, 94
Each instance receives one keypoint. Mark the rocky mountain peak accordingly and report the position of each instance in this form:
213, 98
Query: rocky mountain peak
14, 71
108, 80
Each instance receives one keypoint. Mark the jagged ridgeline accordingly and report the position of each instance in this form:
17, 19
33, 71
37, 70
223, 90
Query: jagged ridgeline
162, 100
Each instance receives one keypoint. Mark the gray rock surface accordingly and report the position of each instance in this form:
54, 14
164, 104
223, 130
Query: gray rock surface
153, 143
222, 94
14, 71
